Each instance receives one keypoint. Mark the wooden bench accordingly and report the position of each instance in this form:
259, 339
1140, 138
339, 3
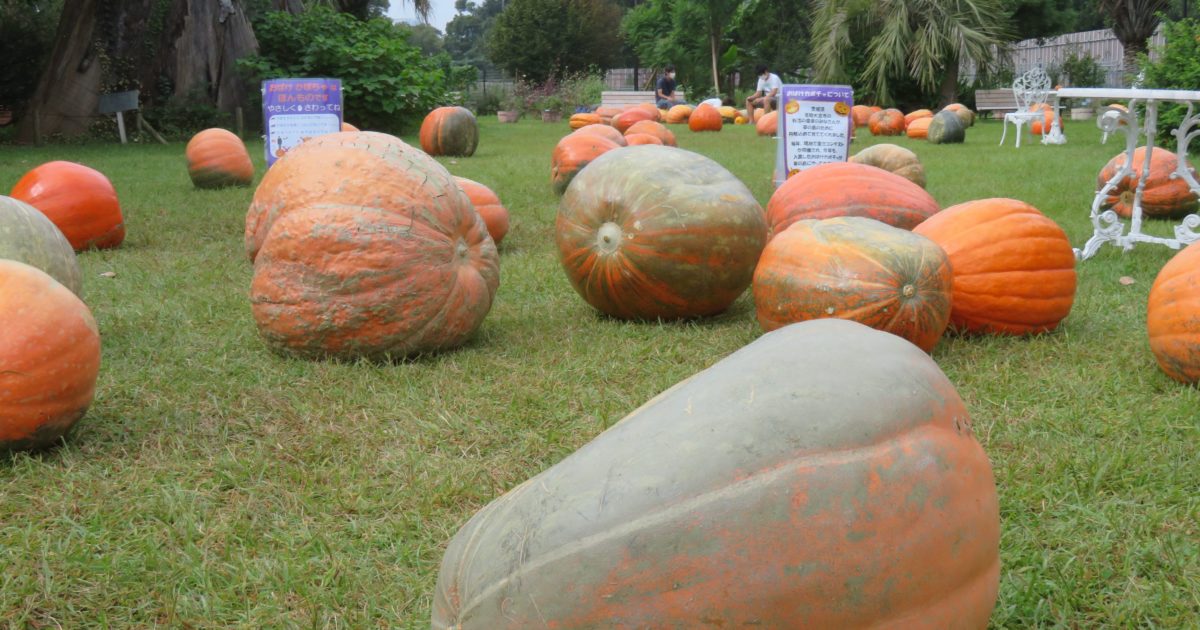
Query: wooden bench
1000, 101
626, 98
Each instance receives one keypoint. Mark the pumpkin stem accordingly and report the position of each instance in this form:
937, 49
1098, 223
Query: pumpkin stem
908, 291
608, 237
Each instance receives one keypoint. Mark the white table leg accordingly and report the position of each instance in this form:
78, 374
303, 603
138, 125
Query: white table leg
1185, 232
1107, 226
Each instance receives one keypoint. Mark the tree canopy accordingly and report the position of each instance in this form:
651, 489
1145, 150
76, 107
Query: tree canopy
538, 39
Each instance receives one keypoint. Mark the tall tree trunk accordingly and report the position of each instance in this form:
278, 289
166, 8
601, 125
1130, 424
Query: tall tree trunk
1130, 58
167, 49
712, 39
948, 91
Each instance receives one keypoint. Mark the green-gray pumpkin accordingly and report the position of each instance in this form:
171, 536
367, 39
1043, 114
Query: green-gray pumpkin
27, 236
946, 128
964, 113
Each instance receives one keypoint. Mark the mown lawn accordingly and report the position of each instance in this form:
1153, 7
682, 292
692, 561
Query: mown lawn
215, 484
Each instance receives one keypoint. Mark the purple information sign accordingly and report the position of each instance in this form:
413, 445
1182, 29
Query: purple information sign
297, 109
814, 127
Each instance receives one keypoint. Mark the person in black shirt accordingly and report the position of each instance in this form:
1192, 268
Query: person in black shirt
664, 92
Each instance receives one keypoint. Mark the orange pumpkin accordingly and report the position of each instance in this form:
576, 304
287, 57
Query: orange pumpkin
918, 128
658, 232
1164, 195
450, 131
740, 120
893, 159
651, 109
857, 269
487, 204
79, 200
606, 113
218, 158
965, 115
652, 128
604, 131
583, 120
861, 114
824, 476
635, 139
348, 127
678, 114
728, 113
888, 122
1036, 127
916, 115
49, 358
705, 118
1014, 270
839, 189
1171, 316
574, 152
623, 121
388, 259
768, 124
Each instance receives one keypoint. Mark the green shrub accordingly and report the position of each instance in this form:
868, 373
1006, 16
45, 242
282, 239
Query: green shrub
387, 83
1082, 71
1178, 67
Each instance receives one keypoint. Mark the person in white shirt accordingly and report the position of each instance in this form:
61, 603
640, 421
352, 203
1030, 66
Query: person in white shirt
766, 95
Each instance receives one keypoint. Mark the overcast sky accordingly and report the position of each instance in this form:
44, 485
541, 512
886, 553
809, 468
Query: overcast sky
442, 12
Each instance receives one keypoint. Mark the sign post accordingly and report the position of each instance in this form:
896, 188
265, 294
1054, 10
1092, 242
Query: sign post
118, 103
814, 127
297, 109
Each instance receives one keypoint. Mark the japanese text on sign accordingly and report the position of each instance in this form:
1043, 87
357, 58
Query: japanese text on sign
297, 109
814, 127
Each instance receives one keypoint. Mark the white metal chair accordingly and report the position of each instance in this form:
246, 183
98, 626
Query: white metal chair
1031, 88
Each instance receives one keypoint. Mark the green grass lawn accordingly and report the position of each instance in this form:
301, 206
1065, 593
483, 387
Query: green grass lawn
215, 484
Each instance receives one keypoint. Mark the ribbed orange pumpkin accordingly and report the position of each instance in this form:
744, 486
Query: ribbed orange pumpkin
1014, 270
651, 109
705, 118
658, 232
583, 120
728, 113
888, 122
861, 114
1173, 316
49, 358
916, 115
893, 159
857, 269
79, 200
574, 152
768, 124
635, 139
391, 261
652, 128
487, 204
678, 114
606, 113
348, 127
844, 189
824, 476
623, 121
218, 158
450, 131
604, 131
918, 128
1163, 195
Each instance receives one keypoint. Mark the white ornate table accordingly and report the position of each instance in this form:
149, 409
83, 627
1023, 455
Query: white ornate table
1107, 226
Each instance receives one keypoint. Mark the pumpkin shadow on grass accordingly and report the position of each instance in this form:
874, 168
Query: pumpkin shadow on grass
737, 314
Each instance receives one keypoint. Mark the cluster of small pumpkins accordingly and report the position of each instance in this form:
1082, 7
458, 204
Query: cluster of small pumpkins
945, 127
703, 117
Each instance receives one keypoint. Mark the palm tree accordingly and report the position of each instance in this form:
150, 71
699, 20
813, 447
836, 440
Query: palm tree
922, 39
1133, 22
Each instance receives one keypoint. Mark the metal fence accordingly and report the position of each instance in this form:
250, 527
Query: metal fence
1100, 45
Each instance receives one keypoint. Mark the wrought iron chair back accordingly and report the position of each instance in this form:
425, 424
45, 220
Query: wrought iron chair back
1031, 88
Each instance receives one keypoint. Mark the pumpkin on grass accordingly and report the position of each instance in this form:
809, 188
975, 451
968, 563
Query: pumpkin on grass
574, 152
606, 113
845, 189
487, 204
348, 127
678, 114
768, 124
49, 358
965, 115
705, 118
916, 115
857, 269
401, 264
657, 232
946, 128
635, 139
728, 113
450, 131
1014, 270
655, 129
919, 128
888, 122
824, 476
1173, 316
860, 114
27, 236
603, 131
623, 121
218, 158
1164, 194
894, 159
79, 200
583, 120
1043, 124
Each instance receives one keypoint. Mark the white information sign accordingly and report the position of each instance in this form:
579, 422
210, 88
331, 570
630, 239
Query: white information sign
814, 127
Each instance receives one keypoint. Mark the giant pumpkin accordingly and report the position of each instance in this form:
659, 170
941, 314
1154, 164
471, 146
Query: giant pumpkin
918, 128
218, 158
79, 200
583, 120
403, 266
678, 114
861, 114
27, 236
1173, 316
606, 113
1164, 194
1014, 270
946, 128
824, 476
858, 269
634, 139
450, 131
916, 115
705, 118
487, 204
574, 152
1043, 124
604, 131
655, 129
623, 121
767, 124
888, 122
657, 232
841, 189
894, 159
964, 113
728, 113
49, 358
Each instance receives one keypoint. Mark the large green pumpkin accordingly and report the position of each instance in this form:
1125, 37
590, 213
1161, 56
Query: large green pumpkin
652, 231
824, 476
27, 236
450, 131
946, 128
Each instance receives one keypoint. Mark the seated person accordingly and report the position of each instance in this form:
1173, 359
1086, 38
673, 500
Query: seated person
664, 91
767, 93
